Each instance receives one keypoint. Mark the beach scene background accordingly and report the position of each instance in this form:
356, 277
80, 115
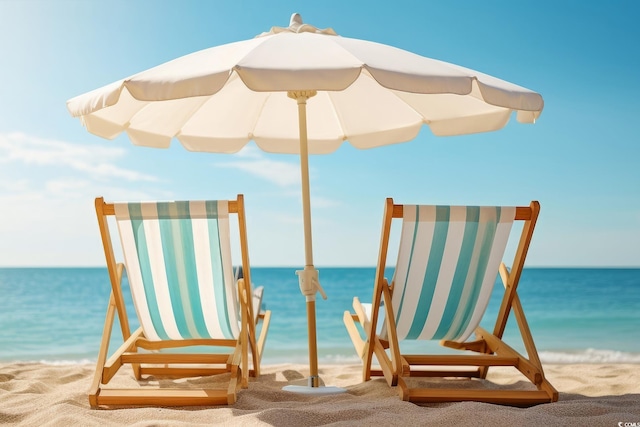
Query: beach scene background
580, 288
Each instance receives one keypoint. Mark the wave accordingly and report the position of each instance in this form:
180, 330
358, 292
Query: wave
339, 359
61, 362
68, 362
589, 355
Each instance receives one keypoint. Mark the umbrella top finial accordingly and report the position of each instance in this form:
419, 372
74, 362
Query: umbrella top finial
297, 26
296, 20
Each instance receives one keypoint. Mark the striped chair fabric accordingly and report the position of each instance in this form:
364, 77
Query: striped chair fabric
178, 260
447, 266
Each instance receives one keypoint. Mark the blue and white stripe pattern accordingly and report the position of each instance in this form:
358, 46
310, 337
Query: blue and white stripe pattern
178, 259
447, 265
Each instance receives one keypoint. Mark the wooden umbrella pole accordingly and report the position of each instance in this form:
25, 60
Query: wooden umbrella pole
301, 97
309, 276
314, 378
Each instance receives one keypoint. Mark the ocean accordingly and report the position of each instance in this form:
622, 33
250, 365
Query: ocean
576, 315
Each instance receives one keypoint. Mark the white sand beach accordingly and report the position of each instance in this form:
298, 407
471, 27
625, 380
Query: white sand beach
601, 395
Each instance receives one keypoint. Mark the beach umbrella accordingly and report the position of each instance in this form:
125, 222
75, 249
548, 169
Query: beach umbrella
303, 90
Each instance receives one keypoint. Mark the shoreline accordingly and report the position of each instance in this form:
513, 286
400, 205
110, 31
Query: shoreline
38, 394
588, 356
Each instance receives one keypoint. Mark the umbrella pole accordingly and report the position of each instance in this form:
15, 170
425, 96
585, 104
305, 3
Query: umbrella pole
309, 273
301, 97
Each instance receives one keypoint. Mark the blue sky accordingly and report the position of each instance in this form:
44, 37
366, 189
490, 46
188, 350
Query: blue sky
581, 160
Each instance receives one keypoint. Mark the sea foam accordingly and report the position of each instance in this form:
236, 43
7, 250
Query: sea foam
589, 355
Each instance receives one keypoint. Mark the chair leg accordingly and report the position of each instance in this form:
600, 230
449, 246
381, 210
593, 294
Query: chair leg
94, 389
379, 350
350, 323
266, 319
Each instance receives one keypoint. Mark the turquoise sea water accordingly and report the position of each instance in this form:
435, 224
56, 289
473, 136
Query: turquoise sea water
56, 315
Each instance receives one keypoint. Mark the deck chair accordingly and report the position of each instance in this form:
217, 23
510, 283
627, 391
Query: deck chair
448, 261
178, 264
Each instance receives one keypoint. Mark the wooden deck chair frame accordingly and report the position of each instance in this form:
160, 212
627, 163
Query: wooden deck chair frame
493, 351
175, 365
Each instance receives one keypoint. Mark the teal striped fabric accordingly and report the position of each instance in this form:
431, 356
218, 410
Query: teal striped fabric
178, 259
447, 265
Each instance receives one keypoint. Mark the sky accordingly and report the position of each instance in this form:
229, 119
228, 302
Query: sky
581, 159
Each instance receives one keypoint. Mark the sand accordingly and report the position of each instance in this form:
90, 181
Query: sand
33, 394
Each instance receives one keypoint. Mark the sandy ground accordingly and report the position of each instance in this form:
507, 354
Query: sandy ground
599, 395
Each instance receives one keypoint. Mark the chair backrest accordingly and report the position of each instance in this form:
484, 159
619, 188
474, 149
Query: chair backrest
447, 265
178, 260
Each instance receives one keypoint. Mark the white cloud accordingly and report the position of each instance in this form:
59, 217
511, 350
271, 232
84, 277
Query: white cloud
278, 172
16, 185
95, 161
66, 186
55, 225
316, 200
283, 174
249, 151
322, 202
47, 189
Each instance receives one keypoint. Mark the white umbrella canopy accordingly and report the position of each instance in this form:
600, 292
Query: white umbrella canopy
369, 94
366, 93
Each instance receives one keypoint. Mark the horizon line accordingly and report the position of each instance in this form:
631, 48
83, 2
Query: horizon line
337, 266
